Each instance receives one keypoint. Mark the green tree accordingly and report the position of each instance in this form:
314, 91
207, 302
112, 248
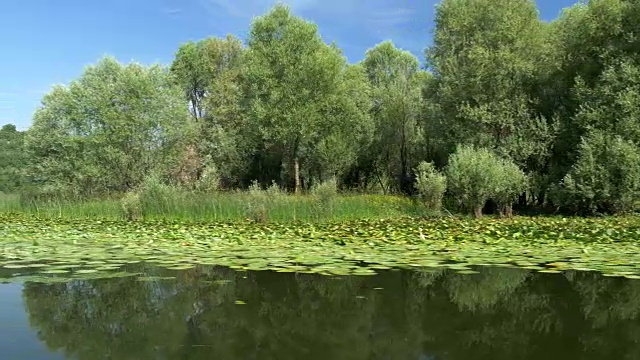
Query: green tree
396, 81
298, 88
605, 177
108, 129
475, 176
198, 65
512, 183
485, 60
597, 44
431, 185
209, 72
12, 159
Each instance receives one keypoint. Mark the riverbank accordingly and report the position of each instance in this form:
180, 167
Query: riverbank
83, 247
263, 206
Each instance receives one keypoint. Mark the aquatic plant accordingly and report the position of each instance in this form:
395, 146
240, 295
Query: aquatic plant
80, 247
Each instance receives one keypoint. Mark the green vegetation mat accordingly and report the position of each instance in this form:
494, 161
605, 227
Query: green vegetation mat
50, 250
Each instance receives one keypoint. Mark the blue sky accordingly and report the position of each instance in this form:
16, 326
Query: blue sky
47, 42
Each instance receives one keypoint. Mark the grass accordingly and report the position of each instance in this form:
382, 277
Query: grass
223, 206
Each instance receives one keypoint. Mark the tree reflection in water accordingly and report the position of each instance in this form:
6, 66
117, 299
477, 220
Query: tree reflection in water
500, 313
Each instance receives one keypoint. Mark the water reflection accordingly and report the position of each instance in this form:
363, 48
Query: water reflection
500, 313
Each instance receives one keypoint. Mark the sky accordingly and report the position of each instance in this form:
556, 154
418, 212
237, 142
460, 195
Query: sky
49, 42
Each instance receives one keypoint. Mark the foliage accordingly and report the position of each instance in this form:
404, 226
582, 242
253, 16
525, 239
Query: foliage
605, 177
209, 179
513, 182
473, 177
297, 107
131, 206
12, 159
396, 82
155, 195
325, 194
486, 57
548, 244
431, 185
107, 130
288, 107
199, 66
260, 201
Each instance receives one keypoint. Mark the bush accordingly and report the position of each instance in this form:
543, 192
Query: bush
325, 194
431, 185
209, 180
512, 182
156, 196
260, 201
475, 176
131, 206
604, 179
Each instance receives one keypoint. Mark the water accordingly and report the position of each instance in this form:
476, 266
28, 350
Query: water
217, 313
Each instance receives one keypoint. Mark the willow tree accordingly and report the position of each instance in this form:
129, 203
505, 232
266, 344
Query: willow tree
299, 88
485, 59
12, 159
208, 71
198, 65
396, 81
108, 129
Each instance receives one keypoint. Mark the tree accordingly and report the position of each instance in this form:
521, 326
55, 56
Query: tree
512, 183
396, 82
485, 61
12, 159
475, 176
597, 44
108, 129
431, 185
605, 177
298, 88
198, 65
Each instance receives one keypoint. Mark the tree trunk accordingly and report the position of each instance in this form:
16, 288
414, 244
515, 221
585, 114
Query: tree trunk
508, 211
477, 212
404, 160
296, 174
296, 167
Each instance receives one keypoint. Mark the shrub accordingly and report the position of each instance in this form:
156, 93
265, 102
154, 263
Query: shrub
512, 182
155, 195
209, 180
477, 175
325, 194
473, 177
260, 201
131, 206
604, 179
274, 192
431, 185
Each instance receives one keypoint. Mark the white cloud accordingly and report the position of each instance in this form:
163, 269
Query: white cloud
171, 11
251, 8
355, 20
376, 15
389, 18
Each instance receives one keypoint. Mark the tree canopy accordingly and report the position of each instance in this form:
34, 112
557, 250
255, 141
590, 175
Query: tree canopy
286, 107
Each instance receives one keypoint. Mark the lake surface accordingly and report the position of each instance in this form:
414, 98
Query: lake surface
219, 313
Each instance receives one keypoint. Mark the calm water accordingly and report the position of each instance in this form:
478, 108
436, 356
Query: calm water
216, 313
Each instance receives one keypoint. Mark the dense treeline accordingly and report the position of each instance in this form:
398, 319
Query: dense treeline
509, 108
